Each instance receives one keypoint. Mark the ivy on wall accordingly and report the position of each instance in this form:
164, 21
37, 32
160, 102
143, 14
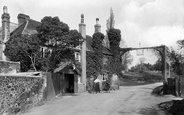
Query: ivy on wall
95, 59
115, 64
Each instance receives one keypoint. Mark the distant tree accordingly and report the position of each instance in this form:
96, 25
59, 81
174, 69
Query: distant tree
126, 60
177, 65
142, 60
25, 49
181, 43
158, 66
59, 40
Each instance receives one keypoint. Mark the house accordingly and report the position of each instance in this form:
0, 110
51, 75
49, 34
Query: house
27, 26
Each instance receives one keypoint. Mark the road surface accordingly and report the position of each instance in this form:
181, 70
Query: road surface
129, 100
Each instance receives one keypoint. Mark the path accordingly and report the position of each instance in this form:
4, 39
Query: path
129, 100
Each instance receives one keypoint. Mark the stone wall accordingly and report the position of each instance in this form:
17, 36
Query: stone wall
18, 92
9, 67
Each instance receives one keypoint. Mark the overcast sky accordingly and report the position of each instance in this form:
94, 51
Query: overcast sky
149, 22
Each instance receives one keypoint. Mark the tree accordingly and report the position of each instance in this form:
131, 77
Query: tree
59, 40
158, 65
53, 36
142, 60
176, 62
114, 36
126, 60
24, 48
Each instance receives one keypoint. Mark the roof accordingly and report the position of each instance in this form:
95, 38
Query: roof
89, 44
27, 27
63, 65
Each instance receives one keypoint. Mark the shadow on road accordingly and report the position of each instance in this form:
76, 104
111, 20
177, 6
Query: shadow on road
151, 111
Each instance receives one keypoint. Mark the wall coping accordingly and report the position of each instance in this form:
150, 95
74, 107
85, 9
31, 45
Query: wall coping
9, 61
23, 74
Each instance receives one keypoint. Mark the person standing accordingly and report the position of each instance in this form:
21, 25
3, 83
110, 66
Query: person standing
97, 85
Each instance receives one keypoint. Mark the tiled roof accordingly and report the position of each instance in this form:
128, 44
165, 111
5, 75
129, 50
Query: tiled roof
28, 27
88, 43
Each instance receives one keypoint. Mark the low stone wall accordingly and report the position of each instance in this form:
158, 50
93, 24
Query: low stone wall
18, 92
9, 67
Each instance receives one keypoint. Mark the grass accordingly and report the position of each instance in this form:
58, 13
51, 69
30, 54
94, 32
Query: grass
139, 78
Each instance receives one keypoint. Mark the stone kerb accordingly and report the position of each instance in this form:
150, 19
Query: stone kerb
20, 90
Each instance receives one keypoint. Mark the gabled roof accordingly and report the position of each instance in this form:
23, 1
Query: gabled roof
63, 65
27, 27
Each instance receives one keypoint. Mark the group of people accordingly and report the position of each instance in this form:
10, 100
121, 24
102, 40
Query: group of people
96, 85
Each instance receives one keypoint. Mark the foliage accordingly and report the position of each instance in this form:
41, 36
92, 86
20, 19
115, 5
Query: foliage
114, 39
158, 66
110, 21
94, 59
176, 62
126, 60
180, 43
25, 49
58, 40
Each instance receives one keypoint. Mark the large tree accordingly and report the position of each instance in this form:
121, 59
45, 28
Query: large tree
59, 41
54, 36
25, 49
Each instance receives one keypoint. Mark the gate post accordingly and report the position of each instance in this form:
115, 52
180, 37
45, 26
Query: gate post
164, 62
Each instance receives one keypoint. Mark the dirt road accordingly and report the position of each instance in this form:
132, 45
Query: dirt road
129, 100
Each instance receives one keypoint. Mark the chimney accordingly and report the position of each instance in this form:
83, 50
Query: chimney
82, 30
5, 31
22, 18
97, 26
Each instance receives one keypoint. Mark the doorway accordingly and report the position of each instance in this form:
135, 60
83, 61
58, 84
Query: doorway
69, 83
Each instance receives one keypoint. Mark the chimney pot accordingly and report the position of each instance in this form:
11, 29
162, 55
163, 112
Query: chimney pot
22, 18
82, 18
5, 9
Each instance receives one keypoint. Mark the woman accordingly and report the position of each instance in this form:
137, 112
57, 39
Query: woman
97, 85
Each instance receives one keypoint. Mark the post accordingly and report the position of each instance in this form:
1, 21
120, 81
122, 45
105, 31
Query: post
165, 83
82, 30
165, 65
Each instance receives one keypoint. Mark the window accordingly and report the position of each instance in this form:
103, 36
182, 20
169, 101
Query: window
77, 56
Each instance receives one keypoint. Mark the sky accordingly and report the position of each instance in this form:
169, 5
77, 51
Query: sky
146, 22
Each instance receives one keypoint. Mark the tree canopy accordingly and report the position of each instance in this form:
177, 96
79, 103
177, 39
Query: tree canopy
53, 36
23, 48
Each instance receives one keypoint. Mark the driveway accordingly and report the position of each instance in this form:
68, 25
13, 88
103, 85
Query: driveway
129, 100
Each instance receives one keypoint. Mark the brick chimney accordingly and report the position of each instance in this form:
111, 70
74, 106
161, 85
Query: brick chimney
97, 26
22, 18
5, 31
82, 30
